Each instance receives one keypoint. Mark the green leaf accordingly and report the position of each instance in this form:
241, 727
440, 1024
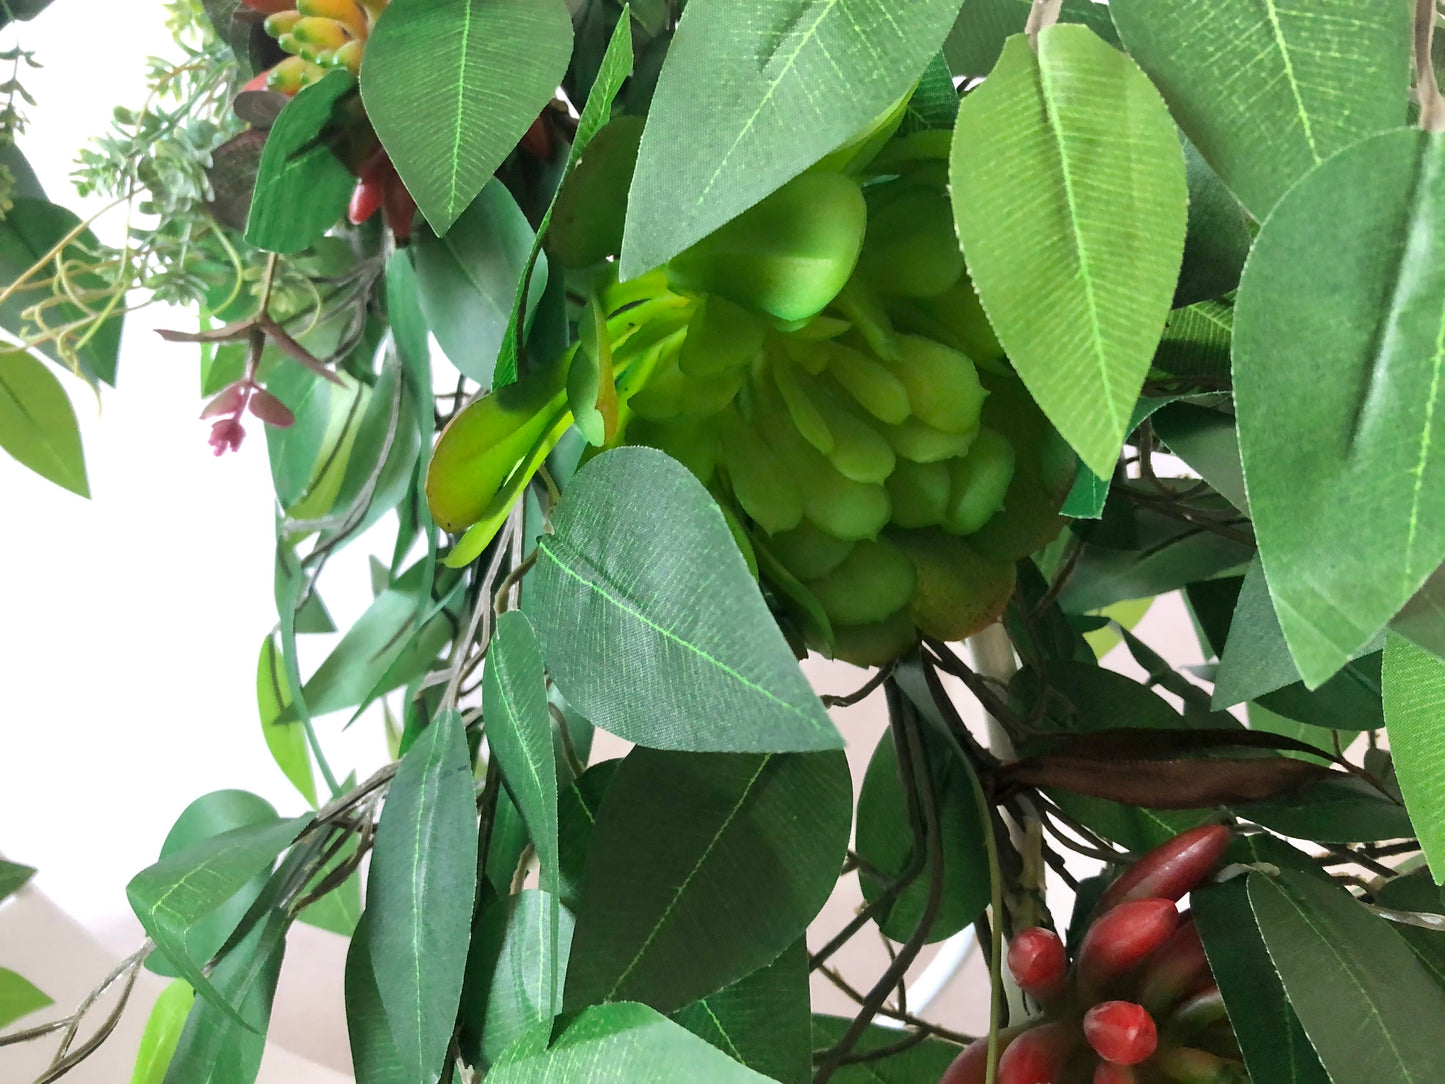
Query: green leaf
374, 1057
621, 1043
1422, 621
1208, 444
1069, 191
286, 741
519, 733
303, 182
313, 616
780, 85
1081, 697
162, 1032
308, 458
32, 228
1267, 91
1197, 339
1270, 1037
577, 816
590, 211
923, 1061
419, 893
205, 818
450, 88
934, 103
982, 27
215, 1048
1418, 892
1337, 368
885, 841
18, 997
1216, 242
1370, 1009
339, 910
1337, 809
762, 1020
1090, 491
691, 662
1414, 683
468, 279
516, 970
382, 459
37, 422
740, 853
171, 896
13, 877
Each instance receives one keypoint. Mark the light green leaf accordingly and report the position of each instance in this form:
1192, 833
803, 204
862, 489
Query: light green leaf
1338, 366
374, 1057
1197, 339
13, 877
923, 1061
450, 87
762, 1020
37, 422
309, 457
468, 279
303, 182
18, 997
691, 661
1069, 191
1414, 682
1368, 1006
286, 741
1267, 89
419, 893
621, 1043
173, 895
162, 1032
702, 869
779, 86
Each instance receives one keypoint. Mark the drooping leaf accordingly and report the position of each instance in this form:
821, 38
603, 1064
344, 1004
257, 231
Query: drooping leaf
162, 1032
1414, 682
374, 1056
741, 851
1069, 192
1267, 91
923, 1061
651, 624
37, 422
1370, 1009
762, 1020
287, 741
761, 75
419, 893
304, 181
1337, 367
19, 997
13, 877
450, 88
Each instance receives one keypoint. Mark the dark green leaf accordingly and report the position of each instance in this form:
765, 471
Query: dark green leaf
1207, 442
1090, 491
1335, 810
982, 27
1337, 368
577, 814
741, 851
591, 206
18, 997
762, 1020
340, 909
13, 877
1422, 621
1069, 191
760, 75
37, 422
303, 182
934, 103
1266, 92
374, 1057
920, 1063
1083, 697
1217, 241
689, 662
1370, 1009
162, 1032
1274, 1046
1414, 683
420, 890
1196, 341
1418, 892
450, 88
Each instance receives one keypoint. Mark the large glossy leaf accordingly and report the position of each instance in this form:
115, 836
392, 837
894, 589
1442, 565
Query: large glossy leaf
780, 85
13, 877
419, 893
37, 422
1270, 1037
1414, 681
1370, 1009
32, 228
303, 181
762, 1020
624, 1043
19, 997
450, 88
162, 1032
652, 625
1337, 367
1069, 191
374, 1057
1267, 90
468, 279
171, 896
703, 868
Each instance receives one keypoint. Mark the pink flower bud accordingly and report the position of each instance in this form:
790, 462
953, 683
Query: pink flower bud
226, 435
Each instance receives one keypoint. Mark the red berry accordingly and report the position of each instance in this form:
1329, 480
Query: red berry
1106, 1072
1177, 969
1121, 1032
256, 82
270, 7
398, 208
537, 140
971, 1065
370, 188
1038, 963
1170, 869
1037, 1056
1121, 940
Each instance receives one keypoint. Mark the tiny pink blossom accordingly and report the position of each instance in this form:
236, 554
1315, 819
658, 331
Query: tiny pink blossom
226, 435
230, 401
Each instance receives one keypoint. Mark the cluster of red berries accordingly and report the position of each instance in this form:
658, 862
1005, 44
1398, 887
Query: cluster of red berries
1139, 1003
